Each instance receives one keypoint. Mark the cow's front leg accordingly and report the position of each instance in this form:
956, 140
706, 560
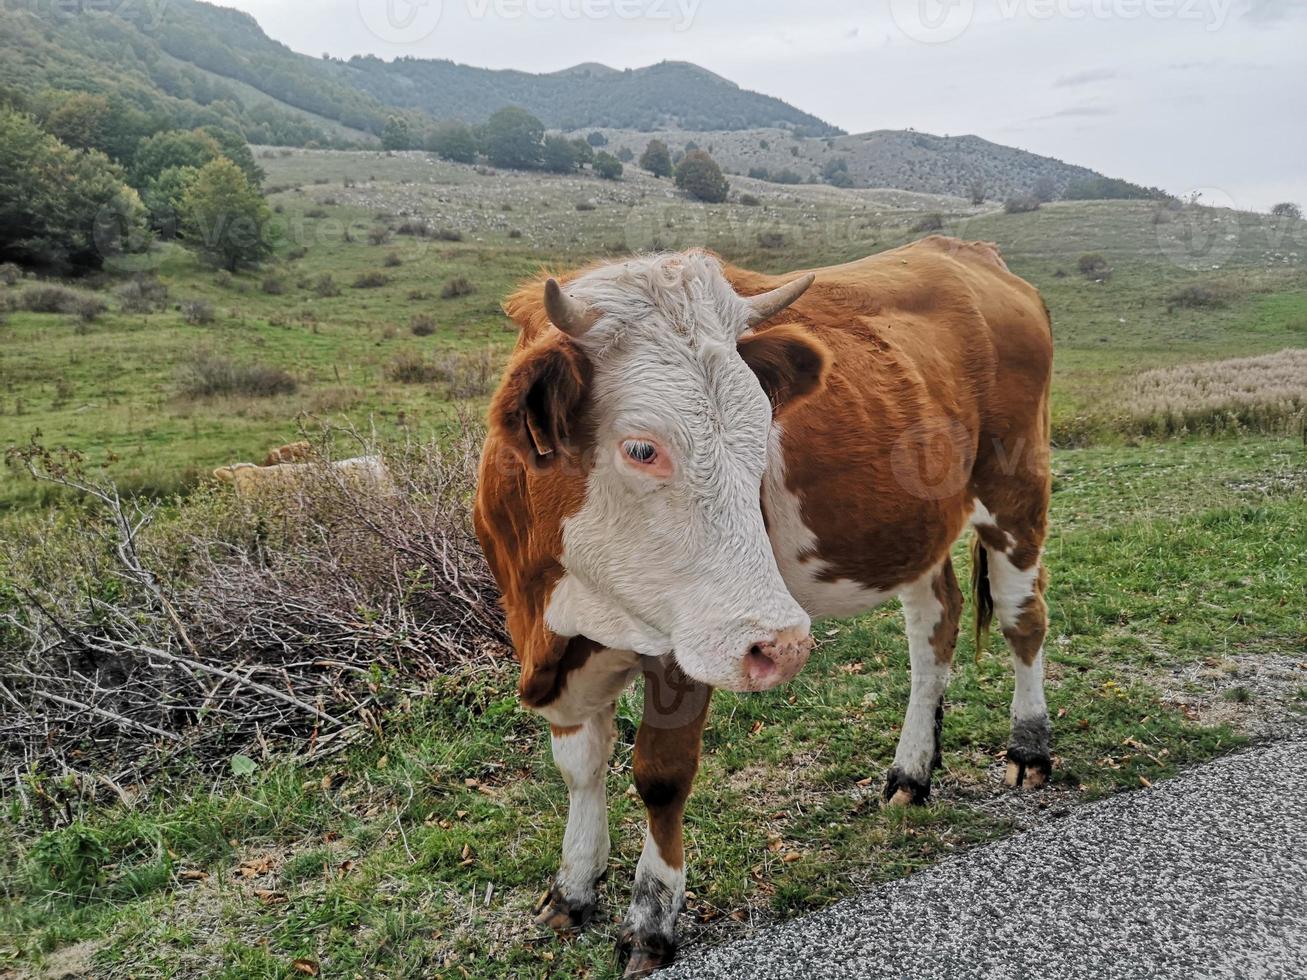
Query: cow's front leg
932, 607
581, 734
666, 760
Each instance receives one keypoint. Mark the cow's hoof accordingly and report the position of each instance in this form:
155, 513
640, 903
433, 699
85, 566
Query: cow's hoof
644, 954
561, 914
902, 790
1027, 770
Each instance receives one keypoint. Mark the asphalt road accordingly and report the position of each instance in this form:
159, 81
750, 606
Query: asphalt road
1203, 876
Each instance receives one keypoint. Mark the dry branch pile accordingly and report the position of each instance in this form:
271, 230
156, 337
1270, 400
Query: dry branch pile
128, 635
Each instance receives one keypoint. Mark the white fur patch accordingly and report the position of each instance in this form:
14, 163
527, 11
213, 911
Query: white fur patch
582, 757
650, 919
681, 562
922, 611
794, 544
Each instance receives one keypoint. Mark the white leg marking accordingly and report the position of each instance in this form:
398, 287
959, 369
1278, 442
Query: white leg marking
922, 611
1012, 588
582, 757
658, 895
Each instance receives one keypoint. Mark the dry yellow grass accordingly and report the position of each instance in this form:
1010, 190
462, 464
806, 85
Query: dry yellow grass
1265, 394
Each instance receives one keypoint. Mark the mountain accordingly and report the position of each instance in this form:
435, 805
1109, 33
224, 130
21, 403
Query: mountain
669, 95
186, 60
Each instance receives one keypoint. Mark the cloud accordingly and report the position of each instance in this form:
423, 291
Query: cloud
1080, 111
1087, 77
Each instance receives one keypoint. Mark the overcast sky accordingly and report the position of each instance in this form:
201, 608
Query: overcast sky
1184, 94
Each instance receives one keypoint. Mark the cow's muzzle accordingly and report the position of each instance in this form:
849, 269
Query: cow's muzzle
772, 662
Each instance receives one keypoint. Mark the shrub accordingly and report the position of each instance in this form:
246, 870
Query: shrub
208, 375
379, 235
584, 206
325, 286
417, 295
771, 239
417, 229
607, 166
315, 213
371, 280
197, 312
273, 285
392, 260
515, 233
1194, 298
51, 298
449, 235
142, 295
1287, 209
699, 176
10, 274
1093, 265
458, 286
411, 368
422, 325
929, 222
656, 159
1021, 204
468, 374
749, 200
976, 191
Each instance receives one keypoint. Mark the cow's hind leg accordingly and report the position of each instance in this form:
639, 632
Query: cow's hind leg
932, 606
581, 734
1017, 581
666, 760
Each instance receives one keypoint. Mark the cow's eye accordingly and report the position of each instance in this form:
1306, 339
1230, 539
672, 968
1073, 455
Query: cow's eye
640, 451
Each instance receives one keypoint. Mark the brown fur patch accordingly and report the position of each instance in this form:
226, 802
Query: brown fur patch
944, 637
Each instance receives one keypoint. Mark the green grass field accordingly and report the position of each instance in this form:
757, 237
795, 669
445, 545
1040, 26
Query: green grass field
1177, 571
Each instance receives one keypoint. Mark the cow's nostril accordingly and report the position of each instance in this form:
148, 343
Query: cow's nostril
758, 664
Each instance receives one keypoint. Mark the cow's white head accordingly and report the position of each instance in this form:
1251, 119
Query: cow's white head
659, 396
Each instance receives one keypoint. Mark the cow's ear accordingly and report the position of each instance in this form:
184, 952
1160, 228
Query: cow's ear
790, 363
539, 408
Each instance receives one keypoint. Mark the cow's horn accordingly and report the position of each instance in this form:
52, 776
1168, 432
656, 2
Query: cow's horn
766, 305
568, 315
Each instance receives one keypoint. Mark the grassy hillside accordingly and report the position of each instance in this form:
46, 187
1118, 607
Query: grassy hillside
886, 158
114, 386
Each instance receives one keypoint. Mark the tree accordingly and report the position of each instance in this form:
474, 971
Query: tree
607, 166
454, 140
583, 152
559, 154
224, 217
172, 148
698, 175
79, 120
597, 138
61, 207
836, 172
1287, 209
976, 190
236, 149
163, 197
1045, 189
396, 134
656, 159
514, 138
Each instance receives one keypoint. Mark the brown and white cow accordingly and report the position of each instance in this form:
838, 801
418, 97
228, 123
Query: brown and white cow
687, 462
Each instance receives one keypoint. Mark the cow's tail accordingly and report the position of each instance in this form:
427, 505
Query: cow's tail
981, 598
